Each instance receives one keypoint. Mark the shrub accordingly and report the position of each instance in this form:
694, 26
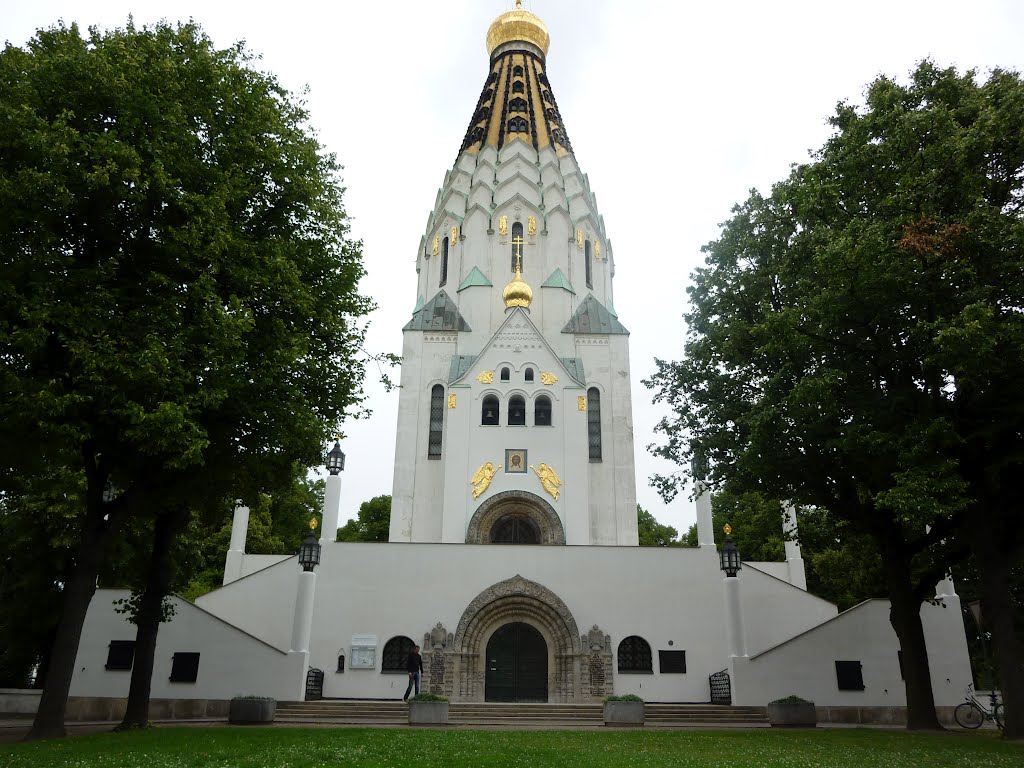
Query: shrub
626, 697
428, 697
792, 700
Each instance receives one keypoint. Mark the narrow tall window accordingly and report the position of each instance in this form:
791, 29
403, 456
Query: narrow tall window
505, 374
517, 246
542, 411
517, 410
594, 423
444, 262
436, 422
588, 265
489, 411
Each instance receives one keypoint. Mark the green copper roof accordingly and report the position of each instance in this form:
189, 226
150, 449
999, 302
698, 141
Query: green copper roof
574, 365
460, 366
475, 277
419, 304
591, 317
439, 314
611, 309
558, 280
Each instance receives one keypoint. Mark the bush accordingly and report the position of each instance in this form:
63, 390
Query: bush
252, 698
791, 700
626, 697
428, 697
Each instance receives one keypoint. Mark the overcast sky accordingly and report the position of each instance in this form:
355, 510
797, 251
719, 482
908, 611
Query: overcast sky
674, 109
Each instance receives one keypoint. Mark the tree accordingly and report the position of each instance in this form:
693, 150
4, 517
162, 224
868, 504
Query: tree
856, 337
373, 523
654, 534
179, 309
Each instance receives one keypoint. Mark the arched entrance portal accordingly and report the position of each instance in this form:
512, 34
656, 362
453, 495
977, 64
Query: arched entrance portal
515, 517
517, 664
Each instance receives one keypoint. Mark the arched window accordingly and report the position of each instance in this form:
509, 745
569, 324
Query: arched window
518, 125
518, 87
517, 411
517, 246
514, 529
594, 423
444, 262
635, 655
489, 411
505, 374
542, 411
528, 374
395, 657
517, 105
588, 265
517, 71
436, 422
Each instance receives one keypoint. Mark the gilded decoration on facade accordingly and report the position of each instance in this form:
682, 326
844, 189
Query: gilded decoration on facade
451, 401
597, 250
548, 378
481, 481
515, 460
579, 239
486, 377
437, 245
581, 403
503, 225
531, 226
549, 480
455, 236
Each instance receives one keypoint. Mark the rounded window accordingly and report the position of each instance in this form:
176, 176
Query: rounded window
529, 374
514, 529
517, 410
542, 411
505, 374
489, 411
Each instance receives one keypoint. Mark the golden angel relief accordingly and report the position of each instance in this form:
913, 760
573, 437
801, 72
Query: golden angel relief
481, 481
549, 480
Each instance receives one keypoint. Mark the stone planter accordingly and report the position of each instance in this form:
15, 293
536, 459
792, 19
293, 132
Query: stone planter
792, 714
428, 713
624, 713
252, 711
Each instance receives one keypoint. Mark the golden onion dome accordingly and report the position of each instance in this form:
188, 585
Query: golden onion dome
518, 293
518, 26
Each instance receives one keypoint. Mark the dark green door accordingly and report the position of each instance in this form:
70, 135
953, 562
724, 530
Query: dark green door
517, 664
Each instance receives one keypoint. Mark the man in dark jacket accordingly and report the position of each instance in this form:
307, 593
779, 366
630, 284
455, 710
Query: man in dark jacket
415, 667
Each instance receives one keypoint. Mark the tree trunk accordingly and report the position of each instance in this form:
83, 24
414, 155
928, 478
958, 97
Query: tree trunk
997, 616
78, 592
905, 617
158, 580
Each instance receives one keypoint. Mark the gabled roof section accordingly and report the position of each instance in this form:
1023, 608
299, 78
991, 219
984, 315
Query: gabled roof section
460, 367
574, 365
419, 304
438, 314
558, 280
475, 277
592, 317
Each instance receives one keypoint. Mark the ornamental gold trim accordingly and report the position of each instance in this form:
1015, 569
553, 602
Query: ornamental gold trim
451, 401
581, 403
597, 250
455, 236
531, 226
579, 239
481, 479
548, 378
437, 245
486, 377
503, 225
549, 479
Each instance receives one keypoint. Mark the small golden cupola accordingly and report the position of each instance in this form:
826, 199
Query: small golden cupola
518, 26
518, 293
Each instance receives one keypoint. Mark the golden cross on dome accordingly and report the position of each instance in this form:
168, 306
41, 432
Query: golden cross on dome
518, 241
519, 5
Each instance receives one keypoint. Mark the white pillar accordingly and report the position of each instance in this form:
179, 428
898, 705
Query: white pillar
236, 550
705, 523
735, 635
794, 560
302, 623
332, 509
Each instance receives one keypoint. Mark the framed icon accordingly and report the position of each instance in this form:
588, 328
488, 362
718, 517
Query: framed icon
515, 460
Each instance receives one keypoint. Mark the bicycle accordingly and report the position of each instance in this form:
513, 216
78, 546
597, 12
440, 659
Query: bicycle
972, 713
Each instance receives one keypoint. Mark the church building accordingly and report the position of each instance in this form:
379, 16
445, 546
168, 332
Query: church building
513, 557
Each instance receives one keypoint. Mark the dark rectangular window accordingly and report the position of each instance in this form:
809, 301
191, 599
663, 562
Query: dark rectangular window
672, 662
849, 676
184, 667
120, 654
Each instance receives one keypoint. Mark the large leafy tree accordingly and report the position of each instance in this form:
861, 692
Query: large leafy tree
857, 339
654, 534
178, 290
372, 523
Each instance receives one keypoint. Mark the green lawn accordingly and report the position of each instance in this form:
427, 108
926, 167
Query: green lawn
399, 748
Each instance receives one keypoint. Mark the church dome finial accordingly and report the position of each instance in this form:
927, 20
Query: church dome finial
518, 293
518, 26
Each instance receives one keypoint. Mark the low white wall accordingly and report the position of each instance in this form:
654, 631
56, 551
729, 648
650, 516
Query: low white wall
253, 563
805, 665
231, 663
19, 701
774, 610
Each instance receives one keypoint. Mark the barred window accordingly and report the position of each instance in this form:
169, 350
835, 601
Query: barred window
444, 262
517, 104
635, 655
518, 125
395, 657
517, 71
517, 410
436, 422
517, 246
489, 412
594, 423
518, 87
588, 266
542, 411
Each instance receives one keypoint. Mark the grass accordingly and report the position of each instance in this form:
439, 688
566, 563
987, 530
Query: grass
404, 748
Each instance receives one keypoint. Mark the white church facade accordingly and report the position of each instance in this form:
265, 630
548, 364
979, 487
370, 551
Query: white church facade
513, 557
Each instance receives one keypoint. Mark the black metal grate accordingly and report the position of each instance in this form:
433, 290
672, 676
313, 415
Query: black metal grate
314, 684
721, 688
395, 657
635, 655
436, 422
594, 423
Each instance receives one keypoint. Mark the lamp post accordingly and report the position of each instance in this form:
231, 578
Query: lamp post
336, 459
309, 558
335, 463
731, 562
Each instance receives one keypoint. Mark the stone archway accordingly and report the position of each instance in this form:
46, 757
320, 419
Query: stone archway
517, 600
515, 503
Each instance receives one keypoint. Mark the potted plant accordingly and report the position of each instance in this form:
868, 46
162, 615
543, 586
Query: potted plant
625, 710
792, 712
248, 710
428, 709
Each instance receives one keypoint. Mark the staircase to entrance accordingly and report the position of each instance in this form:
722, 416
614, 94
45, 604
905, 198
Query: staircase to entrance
350, 712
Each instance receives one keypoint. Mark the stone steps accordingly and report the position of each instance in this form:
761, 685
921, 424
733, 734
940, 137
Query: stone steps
470, 713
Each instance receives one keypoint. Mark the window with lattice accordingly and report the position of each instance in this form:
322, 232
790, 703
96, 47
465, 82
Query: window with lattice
518, 125
395, 657
635, 655
588, 265
436, 422
444, 262
594, 423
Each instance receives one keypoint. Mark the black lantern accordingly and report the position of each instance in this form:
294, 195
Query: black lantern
336, 459
730, 556
309, 552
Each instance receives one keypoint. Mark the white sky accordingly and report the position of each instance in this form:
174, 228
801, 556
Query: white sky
674, 109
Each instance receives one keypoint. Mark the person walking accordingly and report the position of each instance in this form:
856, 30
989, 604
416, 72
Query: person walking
415, 667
